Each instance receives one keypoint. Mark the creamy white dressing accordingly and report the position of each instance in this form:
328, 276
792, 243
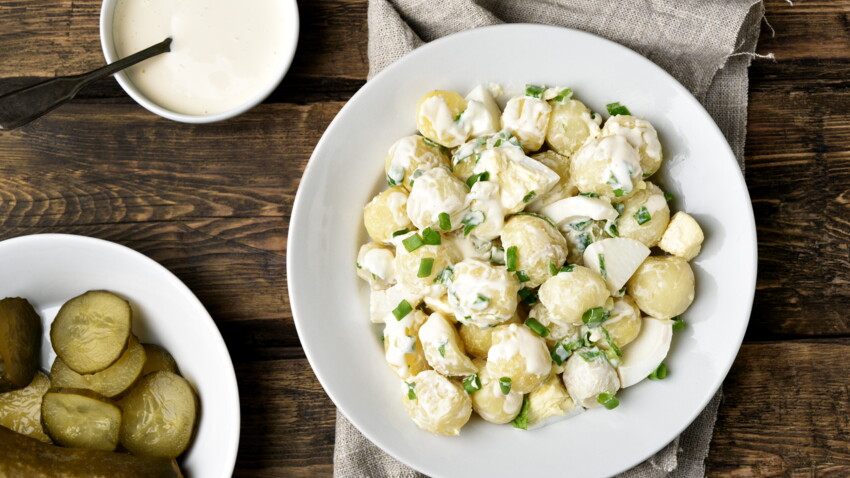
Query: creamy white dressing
641, 135
435, 192
380, 262
655, 203
223, 54
396, 202
516, 340
579, 209
485, 197
471, 282
623, 165
482, 115
527, 117
448, 131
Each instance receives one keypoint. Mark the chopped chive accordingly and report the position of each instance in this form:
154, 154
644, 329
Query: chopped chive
569, 268
511, 258
481, 302
612, 229
442, 349
595, 316
564, 95
560, 354
619, 193
619, 207
659, 373
615, 109
584, 240
522, 276
590, 354
539, 216
528, 197
642, 216
391, 181
620, 292
602, 271
402, 310
485, 176
472, 384
411, 395
528, 296
431, 237
497, 255
553, 269
505, 385
444, 276
457, 118
608, 400
580, 226
401, 232
425, 266
611, 342
534, 91
521, 420
413, 242
497, 143
415, 175
678, 323
471, 220
433, 144
445, 221
357, 264
537, 327
589, 195
668, 196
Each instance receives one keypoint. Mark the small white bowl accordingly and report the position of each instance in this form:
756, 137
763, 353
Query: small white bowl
49, 269
290, 25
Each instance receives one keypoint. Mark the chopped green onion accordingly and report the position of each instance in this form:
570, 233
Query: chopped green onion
511, 258
615, 109
553, 269
642, 216
505, 385
608, 400
611, 343
434, 145
589, 195
481, 303
391, 181
402, 310
602, 271
619, 207
485, 176
534, 91
528, 296
411, 395
497, 143
521, 420
564, 95
560, 354
457, 118
415, 175
619, 193
497, 255
537, 327
668, 196
528, 197
444, 276
472, 384
431, 237
471, 220
620, 292
678, 323
522, 276
539, 216
413, 242
611, 229
590, 354
442, 349
595, 316
580, 226
357, 264
401, 232
567, 268
659, 373
445, 221
425, 266
584, 240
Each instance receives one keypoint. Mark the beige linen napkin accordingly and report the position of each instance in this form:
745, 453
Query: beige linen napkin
705, 44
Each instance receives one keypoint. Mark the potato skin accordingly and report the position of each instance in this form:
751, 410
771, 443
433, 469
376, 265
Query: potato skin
663, 286
650, 232
521, 355
474, 281
490, 403
437, 404
538, 244
642, 135
569, 295
409, 155
571, 124
386, 213
625, 321
592, 166
440, 102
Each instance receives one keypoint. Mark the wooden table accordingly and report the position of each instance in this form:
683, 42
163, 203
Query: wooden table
212, 203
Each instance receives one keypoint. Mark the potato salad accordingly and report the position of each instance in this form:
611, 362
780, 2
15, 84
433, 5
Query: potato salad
523, 263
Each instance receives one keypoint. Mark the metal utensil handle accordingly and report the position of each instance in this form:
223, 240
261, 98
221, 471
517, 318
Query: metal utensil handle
22, 106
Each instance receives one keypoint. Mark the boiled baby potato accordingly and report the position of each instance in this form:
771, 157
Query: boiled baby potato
159, 417
92, 331
27, 457
78, 418
20, 410
663, 286
158, 358
20, 343
115, 380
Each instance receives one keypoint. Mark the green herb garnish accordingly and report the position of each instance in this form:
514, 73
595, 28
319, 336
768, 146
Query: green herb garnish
564, 95
608, 400
505, 385
401, 232
595, 316
642, 216
411, 395
485, 176
472, 384
534, 91
528, 197
615, 109
402, 310
569, 268
678, 323
431, 237
511, 258
471, 220
659, 373
537, 327
413, 242
553, 269
668, 196
522, 276
445, 221
444, 276
602, 271
442, 349
425, 266
521, 420
528, 296
580, 226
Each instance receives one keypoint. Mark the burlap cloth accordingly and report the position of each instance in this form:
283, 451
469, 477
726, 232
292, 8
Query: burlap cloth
705, 44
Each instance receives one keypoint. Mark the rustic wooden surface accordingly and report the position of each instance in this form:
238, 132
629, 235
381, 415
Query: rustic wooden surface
200, 200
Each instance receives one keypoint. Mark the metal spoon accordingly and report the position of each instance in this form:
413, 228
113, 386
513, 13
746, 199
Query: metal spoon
22, 106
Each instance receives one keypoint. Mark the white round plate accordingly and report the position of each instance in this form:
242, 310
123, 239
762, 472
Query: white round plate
330, 304
49, 269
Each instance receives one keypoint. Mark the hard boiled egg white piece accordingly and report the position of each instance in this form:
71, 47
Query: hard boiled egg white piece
615, 259
645, 354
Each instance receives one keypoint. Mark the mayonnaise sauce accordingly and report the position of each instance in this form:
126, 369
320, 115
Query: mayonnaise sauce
223, 52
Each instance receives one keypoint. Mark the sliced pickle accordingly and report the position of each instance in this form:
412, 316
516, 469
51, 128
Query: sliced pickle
79, 418
115, 380
20, 343
20, 410
159, 417
26, 457
158, 359
91, 331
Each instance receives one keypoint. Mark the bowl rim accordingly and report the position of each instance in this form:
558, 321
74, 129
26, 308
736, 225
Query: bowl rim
108, 47
297, 222
183, 290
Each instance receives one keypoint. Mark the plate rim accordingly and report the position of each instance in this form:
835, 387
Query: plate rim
298, 209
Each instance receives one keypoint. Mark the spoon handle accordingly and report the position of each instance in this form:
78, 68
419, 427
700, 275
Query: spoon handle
22, 106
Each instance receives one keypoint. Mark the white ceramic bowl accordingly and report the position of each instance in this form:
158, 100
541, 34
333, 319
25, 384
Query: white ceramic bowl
287, 52
330, 304
49, 269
